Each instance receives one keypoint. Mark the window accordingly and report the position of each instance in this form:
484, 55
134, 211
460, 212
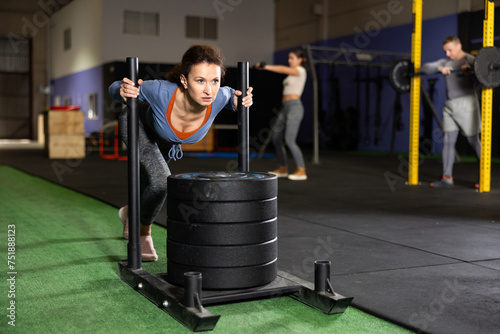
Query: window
132, 23
139, 23
14, 57
193, 27
201, 27
150, 24
210, 28
92, 111
67, 39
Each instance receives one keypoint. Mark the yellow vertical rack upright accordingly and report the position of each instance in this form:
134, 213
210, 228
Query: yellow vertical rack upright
416, 46
486, 103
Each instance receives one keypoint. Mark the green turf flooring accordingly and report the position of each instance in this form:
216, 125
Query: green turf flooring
66, 277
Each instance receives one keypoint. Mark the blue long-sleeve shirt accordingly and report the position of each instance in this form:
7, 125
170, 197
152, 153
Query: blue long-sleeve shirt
160, 94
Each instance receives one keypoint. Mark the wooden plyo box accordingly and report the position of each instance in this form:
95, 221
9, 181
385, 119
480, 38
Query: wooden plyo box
65, 122
65, 136
204, 145
41, 129
66, 146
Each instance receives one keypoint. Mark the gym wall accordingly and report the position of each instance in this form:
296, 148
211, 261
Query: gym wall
359, 108
98, 44
303, 21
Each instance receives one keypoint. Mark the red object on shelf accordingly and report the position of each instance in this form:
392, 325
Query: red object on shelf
116, 155
65, 108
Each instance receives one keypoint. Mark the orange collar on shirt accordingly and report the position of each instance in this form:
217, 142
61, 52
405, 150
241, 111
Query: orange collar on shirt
184, 135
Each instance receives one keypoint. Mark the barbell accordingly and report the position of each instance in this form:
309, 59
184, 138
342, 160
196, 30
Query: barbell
486, 70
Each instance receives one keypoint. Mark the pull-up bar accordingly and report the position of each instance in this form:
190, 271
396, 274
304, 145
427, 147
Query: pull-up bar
318, 55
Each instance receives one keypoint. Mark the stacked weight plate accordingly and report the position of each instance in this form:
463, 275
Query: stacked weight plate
224, 225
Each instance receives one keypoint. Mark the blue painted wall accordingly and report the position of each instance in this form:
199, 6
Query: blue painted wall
78, 86
374, 126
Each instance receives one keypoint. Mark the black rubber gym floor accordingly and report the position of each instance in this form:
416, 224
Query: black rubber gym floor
427, 259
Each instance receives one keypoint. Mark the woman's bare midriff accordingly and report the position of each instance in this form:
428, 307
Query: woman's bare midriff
289, 97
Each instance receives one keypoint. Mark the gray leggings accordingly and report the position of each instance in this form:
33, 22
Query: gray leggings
287, 125
450, 139
153, 168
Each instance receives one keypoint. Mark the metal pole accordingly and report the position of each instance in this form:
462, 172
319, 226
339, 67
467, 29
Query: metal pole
243, 147
486, 103
315, 159
192, 287
321, 275
415, 94
134, 244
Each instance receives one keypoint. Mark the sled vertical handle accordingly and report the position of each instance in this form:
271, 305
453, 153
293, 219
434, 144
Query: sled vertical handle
243, 147
134, 244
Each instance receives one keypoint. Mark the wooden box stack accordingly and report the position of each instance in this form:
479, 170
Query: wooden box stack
65, 136
205, 145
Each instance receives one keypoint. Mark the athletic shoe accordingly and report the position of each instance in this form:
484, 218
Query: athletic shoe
280, 172
445, 182
123, 214
299, 175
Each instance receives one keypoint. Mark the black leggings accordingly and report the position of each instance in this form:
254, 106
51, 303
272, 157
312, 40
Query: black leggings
153, 168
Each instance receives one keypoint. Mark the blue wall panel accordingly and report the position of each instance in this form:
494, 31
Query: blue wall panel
78, 86
347, 95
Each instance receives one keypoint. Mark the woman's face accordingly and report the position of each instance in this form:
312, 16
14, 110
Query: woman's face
293, 60
203, 83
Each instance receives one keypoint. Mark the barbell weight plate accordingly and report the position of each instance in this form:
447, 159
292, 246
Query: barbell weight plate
399, 76
222, 186
222, 234
224, 225
202, 211
222, 256
225, 278
486, 67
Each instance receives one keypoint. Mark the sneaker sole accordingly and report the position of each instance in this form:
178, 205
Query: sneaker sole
432, 185
297, 178
278, 175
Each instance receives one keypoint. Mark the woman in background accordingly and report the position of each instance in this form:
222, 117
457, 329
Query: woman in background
288, 122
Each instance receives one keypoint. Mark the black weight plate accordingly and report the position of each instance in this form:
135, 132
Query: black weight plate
225, 278
399, 76
487, 67
221, 212
222, 186
222, 256
222, 234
